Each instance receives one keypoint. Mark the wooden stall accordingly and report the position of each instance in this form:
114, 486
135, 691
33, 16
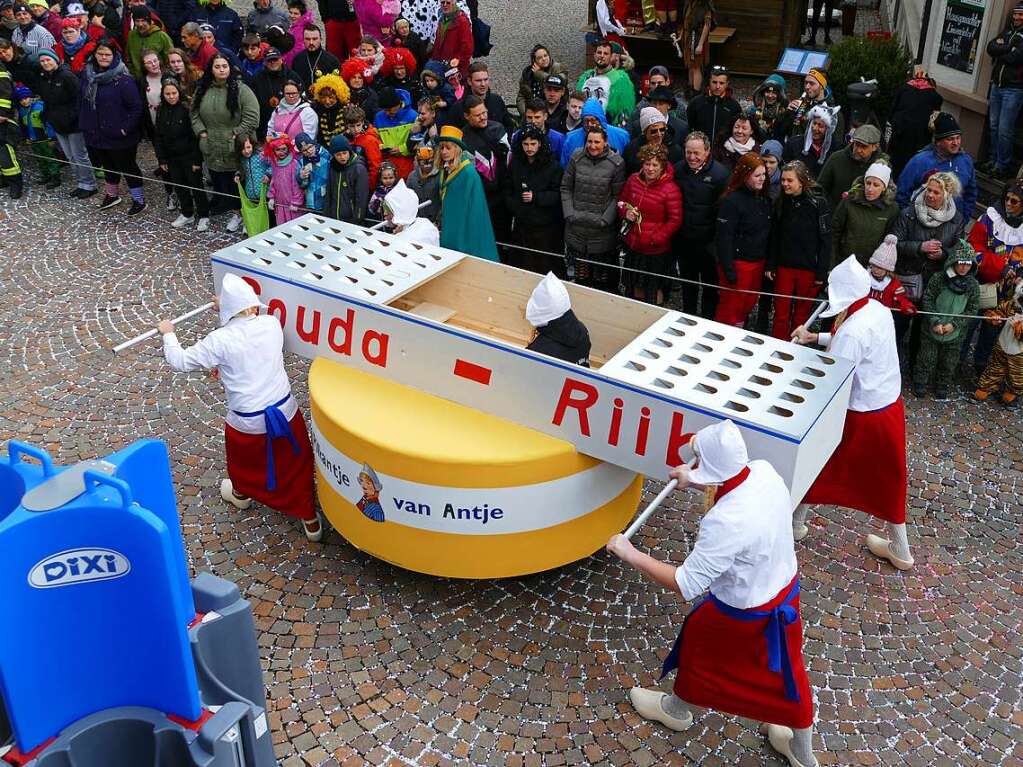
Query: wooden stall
749, 37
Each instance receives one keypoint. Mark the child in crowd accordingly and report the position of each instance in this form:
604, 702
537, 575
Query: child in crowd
285, 196
388, 177
424, 128
38, 135
884, 285
252, 55
313, 169
950, 293
330, 95
298, 17
1006, 365
253, 179
434, 86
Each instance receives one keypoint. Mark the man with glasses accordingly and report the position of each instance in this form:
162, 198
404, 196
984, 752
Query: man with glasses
655, 132
453, 40
713, 111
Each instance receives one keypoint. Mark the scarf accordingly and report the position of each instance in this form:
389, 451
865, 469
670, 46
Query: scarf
930, 218
959, 283
731, 145
443, 22
70, 49
881, 284
95, 78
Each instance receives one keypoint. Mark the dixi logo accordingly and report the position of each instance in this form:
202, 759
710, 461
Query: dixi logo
78, 566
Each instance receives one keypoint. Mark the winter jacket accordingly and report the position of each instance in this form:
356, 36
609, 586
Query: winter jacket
631, 153
948, 294
202, 55
51, 22
617, 138
589, 201
454, 41
497, 111
543, 179
30, 119
174, 140
893, 295
660, 207
556, 139
226, 23
309, 66
907, 129
267, 86
743, 230
489, 147
678, 127
221, 126
157, 40
174, 13
259, 19
347, 194
859, 226
251, 171
427, 188
77, 60
564, 338
701, 192
315, 186
114, 121
336, 10
366, 99
32, 39
912, 234
841, 170
61, 92
1008, 57
297, 32
712, 114
531, 83
368, 145
996, 258
801, 234
927, 160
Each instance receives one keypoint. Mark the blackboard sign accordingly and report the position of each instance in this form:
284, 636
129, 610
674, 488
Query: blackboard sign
960, 35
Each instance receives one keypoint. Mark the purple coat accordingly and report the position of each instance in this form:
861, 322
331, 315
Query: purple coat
115, 120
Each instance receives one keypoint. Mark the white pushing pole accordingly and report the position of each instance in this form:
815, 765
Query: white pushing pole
634, 527
150, 333
813, 317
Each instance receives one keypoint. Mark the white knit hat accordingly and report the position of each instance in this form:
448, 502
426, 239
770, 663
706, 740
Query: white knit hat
236, 295
886, 255
548, 302
880, 171
650, 116
722, 453
848, 282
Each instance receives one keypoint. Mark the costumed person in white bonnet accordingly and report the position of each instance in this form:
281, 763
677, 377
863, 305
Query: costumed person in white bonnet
269, 458
401, 209
875, 425
740, 648
559, 333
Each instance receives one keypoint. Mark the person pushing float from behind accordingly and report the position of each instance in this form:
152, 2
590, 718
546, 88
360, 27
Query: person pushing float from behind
269, 458
875, 424
740, 649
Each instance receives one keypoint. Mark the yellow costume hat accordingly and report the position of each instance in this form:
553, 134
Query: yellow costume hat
332, 81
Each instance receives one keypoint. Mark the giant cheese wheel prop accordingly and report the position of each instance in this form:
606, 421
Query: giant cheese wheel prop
440, 488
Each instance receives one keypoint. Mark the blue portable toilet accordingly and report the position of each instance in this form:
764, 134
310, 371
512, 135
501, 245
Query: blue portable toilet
94, 578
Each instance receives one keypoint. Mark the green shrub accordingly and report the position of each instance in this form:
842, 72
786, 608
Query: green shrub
887, 61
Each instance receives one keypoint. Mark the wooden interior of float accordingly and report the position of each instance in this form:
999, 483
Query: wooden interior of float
489, 299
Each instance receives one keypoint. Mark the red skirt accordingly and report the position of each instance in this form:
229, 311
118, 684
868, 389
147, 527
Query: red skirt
246, 466
867, 471
734, 307
723, 665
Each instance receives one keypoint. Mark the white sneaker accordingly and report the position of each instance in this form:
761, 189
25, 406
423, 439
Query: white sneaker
227, 493
234, 223
182, 220
204, 225
648, 705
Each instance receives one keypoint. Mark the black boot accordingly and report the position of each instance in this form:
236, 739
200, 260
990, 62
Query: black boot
16, 186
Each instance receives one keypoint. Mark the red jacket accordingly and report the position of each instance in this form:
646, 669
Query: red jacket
456, 43
993, 255
369, 142
894, 297
660, 204
203, 55
78, 61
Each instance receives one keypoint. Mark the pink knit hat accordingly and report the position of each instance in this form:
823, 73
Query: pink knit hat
885, 256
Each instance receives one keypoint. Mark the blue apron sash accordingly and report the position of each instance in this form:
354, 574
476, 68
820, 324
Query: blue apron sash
777, 644
277, 426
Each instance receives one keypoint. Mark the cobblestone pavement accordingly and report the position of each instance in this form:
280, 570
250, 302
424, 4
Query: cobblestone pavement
368, 664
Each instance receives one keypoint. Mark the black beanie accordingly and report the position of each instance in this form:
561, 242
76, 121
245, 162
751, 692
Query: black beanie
945, 125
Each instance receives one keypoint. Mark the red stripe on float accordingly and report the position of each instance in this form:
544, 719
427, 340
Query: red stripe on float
477, 373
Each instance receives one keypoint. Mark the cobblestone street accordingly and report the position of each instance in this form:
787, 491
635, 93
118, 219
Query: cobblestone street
369, 664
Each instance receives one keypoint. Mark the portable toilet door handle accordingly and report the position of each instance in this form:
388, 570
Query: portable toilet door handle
94, 479
15, 450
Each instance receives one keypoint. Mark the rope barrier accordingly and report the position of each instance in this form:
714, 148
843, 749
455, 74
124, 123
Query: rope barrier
513, 246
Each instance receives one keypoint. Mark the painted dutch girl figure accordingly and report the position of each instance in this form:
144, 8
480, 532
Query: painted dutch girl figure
371, 487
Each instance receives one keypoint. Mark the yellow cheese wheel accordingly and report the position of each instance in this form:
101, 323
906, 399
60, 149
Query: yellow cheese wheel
437, 487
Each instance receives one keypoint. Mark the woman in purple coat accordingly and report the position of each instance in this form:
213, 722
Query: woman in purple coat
111, 120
